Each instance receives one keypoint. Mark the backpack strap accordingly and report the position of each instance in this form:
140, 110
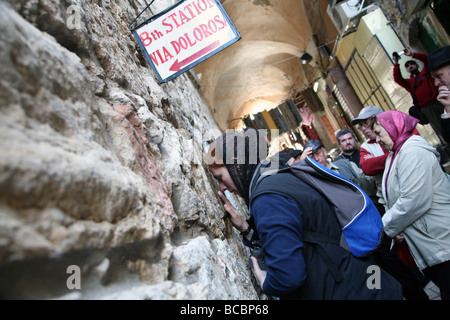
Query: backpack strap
263, 170
316, 239
357, 215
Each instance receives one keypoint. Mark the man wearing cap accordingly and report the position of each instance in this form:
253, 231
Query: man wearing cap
421, 87
439, 62
373, 155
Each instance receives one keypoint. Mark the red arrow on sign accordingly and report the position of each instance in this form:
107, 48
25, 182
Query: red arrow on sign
177, 66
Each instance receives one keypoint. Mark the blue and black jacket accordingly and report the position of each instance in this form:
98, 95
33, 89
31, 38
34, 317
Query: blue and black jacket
300, 237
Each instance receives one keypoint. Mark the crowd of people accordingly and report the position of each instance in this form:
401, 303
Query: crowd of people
396, 167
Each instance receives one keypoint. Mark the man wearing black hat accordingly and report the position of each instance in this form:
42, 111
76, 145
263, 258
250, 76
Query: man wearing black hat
421, 87
439, 62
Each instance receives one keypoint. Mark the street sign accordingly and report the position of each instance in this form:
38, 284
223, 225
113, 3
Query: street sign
184, 35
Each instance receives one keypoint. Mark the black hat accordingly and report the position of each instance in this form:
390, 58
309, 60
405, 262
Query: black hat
314, 144
439, 58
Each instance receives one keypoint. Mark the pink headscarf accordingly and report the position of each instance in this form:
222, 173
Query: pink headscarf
399, 125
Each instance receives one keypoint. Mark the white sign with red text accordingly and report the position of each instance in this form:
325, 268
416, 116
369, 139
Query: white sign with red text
184, 35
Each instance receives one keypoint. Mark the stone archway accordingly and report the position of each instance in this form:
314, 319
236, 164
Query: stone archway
263, 68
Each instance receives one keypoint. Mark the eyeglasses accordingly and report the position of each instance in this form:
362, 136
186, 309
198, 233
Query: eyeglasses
366, 123
361, 126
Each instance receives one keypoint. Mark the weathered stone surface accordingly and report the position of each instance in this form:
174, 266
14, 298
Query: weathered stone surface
217, 277
101, 166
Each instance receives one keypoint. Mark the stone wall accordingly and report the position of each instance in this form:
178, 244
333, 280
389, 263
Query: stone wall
404, 17
101, 172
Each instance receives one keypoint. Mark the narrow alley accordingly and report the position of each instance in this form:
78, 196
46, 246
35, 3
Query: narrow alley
109, 108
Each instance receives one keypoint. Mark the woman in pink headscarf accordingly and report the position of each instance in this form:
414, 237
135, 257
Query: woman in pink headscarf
417, 194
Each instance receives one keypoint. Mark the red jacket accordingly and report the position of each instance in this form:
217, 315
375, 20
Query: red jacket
426, 92
374, 165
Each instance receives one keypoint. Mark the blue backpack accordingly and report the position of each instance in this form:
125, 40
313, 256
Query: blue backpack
357, 215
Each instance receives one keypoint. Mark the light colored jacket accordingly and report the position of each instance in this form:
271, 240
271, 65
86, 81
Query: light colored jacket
417, 194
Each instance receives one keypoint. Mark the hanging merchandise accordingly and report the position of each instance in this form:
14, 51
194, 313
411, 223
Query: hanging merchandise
306, 116
288, 116
294, 110
269, 120
249, 123
295, 137
260, 122
310, 132
279, 120
312, 100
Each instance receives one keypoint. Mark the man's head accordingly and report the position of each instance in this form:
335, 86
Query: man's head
412, 67
439, 64
318, 152
365, 119
347, 141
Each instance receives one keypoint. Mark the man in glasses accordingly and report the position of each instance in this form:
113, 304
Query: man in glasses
373, 155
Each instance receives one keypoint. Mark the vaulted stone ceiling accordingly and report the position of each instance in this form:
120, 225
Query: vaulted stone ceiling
262, 69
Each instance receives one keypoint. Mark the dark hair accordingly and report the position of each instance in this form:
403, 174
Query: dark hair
375, 121
343, 132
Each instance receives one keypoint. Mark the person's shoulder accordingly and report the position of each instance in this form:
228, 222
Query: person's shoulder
416, 146
274, 182
266, 202
365, 144
341, 160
